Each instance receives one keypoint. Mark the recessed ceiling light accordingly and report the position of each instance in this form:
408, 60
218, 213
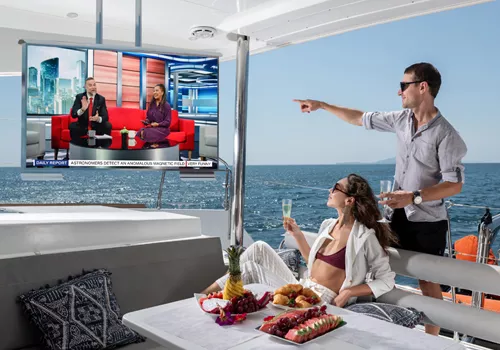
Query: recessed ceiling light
72, 14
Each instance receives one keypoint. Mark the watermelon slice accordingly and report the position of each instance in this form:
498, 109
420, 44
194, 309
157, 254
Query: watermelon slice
267, 325
313, 328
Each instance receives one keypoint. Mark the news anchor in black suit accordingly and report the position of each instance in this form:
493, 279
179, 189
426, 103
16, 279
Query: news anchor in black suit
98, 117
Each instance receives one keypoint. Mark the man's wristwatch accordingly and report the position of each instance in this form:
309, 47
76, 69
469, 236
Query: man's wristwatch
417, 198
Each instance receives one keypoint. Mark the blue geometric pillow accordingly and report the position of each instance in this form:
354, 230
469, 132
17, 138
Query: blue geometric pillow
407, 317
291, 257
79, 314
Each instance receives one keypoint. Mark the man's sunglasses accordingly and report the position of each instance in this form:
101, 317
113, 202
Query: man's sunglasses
404, 84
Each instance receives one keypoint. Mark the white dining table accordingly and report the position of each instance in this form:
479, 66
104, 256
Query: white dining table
183, 325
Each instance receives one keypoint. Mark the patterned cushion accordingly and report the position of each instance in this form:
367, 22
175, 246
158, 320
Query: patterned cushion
82, 313
291, 257
407, 317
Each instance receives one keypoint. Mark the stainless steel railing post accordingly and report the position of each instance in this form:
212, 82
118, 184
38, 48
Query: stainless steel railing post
450, 255
483, 247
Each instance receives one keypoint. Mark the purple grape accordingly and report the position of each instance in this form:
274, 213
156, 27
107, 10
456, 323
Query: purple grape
280, 333
274, 329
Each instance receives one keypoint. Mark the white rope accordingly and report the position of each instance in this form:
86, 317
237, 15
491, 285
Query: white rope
470, 206
450, 203
293, 185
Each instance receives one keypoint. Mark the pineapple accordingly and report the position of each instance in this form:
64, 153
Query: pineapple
234, 284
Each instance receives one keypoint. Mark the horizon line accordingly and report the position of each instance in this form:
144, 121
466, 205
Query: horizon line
10, 166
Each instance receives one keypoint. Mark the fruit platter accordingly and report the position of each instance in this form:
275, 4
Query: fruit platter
301, 326
247, 303
295, 296
234, 298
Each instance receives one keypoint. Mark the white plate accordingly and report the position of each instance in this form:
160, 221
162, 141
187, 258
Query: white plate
284, 307
343, 323
257, 289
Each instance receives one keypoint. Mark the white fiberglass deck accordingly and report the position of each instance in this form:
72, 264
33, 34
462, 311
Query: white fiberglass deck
37, 230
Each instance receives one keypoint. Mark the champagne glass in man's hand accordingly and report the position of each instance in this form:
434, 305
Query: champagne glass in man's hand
385, 187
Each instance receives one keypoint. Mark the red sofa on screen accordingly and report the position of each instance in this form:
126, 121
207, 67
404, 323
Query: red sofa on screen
181, 130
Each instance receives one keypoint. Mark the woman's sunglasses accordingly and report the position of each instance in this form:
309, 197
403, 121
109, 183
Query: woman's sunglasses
336, 187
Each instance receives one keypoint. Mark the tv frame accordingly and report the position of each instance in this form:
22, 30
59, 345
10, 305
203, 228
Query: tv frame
79, 46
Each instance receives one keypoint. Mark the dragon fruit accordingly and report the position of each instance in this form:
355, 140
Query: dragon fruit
247, 303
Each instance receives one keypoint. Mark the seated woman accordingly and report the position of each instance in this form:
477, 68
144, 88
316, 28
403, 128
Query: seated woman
158, 119
345, 251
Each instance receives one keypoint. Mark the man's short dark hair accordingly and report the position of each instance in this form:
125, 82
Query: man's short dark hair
89, 78
428, 73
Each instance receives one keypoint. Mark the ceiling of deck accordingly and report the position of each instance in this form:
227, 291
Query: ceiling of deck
269, 23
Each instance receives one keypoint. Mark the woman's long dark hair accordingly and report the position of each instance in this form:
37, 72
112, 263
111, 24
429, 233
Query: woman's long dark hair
163, 98
366, 211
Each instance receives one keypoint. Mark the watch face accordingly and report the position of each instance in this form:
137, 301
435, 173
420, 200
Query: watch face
418, 200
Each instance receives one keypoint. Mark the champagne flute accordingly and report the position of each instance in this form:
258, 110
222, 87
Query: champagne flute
385, 186
287, 207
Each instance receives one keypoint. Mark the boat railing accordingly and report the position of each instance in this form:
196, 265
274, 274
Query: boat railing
227, 187
472, 321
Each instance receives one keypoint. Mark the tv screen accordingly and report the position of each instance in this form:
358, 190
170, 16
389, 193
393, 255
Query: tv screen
93, 107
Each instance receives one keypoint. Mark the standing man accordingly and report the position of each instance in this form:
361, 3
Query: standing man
428, 163
90, 109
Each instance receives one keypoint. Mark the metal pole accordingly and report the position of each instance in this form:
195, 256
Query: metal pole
98, 22
483, 247
227, 185
138, 23
175, 95
450, 255
160, 191
238, 199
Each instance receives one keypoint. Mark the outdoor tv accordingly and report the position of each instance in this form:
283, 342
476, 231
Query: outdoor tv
90, 106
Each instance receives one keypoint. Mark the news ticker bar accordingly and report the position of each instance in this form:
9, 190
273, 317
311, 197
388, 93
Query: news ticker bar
125, 163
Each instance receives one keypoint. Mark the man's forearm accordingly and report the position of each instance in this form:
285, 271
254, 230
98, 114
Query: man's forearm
442, 190
352, 116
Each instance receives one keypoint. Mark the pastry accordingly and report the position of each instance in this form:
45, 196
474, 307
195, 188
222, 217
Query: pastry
280, 299
307, 292
303, 304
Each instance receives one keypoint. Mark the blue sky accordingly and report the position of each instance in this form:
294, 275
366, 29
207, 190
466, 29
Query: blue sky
362, 69
359, 69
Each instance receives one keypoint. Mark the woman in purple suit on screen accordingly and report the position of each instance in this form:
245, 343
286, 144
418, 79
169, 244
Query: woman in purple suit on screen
157, 120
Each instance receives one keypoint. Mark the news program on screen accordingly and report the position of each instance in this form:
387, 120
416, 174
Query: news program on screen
95, 108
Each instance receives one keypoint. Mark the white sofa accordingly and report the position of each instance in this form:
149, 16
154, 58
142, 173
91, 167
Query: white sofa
35, 139
208, 141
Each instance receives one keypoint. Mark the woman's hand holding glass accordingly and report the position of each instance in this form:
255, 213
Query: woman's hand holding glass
291, 226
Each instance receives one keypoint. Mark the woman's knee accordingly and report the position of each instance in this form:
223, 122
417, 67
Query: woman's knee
262, 246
